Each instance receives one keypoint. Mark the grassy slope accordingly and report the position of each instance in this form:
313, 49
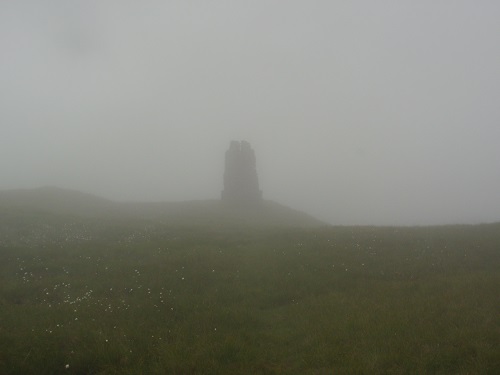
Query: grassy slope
143, 295
54, 200
57, 201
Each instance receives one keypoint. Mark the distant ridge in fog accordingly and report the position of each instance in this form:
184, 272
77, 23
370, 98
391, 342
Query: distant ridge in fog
53, 200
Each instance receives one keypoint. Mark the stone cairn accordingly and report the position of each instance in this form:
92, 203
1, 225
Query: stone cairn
241, 184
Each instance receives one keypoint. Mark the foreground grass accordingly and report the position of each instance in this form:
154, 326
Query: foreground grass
156, 299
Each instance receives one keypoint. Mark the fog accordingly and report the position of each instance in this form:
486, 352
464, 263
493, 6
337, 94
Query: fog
359, 112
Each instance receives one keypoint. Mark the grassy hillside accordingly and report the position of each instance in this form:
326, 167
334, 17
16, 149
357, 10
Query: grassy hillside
137, 295
55, 201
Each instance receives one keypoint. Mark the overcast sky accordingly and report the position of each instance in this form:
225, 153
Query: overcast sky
360, 112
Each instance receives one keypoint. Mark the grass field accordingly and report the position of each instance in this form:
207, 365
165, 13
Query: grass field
145, 297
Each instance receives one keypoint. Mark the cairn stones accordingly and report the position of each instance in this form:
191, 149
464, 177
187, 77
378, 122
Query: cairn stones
241, 184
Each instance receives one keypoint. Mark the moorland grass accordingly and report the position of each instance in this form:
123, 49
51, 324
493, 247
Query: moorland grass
151, 298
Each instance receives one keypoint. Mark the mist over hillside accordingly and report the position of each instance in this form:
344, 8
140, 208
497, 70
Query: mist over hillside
360, 113
57, 201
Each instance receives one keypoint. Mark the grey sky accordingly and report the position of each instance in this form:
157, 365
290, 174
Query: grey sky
360, 112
